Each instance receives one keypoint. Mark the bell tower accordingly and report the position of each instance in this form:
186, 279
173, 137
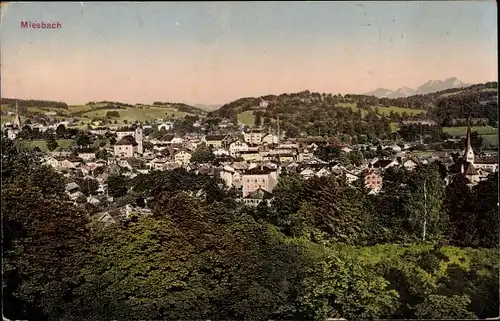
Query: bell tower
17, 118
468, 152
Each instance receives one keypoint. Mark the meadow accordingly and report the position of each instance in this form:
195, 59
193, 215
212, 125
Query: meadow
462, 130
247, 118
42, 144
383, 110
386, 111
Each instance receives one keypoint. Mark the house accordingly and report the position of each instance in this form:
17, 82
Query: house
213, 140
86, 153
72, 190
286, 158
126, 147
323, 172
257, 197
307, 173
259, 177
157, 164
101, 131
486, 163
56, 161
166, 126
373, 181
177, 141
270, 139
253, 136
251, 156
410, 164
182, 157
219, 152
236, 147
120, 214
384, 164
350, 177
230, 176
305, 154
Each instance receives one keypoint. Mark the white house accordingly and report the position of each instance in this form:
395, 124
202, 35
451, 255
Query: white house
270, 139
307, 173
236, 147
221, 152
166, 126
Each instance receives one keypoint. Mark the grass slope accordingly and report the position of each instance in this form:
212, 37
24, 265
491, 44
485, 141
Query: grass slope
42, 144
247, 118
462, 131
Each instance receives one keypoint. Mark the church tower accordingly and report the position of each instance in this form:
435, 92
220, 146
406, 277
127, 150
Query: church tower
17, 118
468, 152
139, 139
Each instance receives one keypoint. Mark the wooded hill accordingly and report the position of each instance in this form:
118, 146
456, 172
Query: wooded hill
307, 111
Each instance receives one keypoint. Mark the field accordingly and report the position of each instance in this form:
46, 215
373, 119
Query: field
42, 144
489, 89
398, 110
450, 94
490, 141
247, 118
462, 131
382, 110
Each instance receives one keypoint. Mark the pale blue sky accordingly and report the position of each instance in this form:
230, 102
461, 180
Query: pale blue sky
217, 52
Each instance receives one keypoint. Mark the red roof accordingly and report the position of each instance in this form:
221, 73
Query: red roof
127, 140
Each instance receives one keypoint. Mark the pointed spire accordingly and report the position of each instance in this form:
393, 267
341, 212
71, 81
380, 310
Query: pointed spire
468, 152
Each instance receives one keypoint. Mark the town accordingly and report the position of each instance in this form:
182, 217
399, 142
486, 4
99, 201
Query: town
249, 161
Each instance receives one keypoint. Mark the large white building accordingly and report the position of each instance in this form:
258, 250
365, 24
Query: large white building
253, 136
126, 147
135, 133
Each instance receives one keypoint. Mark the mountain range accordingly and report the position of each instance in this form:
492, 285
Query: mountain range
427, 88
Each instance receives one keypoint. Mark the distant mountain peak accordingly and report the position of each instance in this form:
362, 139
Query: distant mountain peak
428, 87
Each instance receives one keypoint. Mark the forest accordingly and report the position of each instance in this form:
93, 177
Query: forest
323, 249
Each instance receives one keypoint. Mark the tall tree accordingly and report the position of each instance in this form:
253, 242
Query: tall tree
45, 241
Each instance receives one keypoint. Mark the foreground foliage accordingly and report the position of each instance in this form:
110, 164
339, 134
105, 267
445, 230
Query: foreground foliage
209, 258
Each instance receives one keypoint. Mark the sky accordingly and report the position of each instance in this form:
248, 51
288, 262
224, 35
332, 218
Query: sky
214, 53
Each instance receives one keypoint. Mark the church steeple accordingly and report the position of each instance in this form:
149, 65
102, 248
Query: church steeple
17, 118
468, 152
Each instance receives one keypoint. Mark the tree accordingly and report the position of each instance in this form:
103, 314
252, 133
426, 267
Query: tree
258, 119
203, 154
117, 185
88, 186
336, 288
52, 144
83, 139
439, 307
112, 113
61, 131
45, 244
